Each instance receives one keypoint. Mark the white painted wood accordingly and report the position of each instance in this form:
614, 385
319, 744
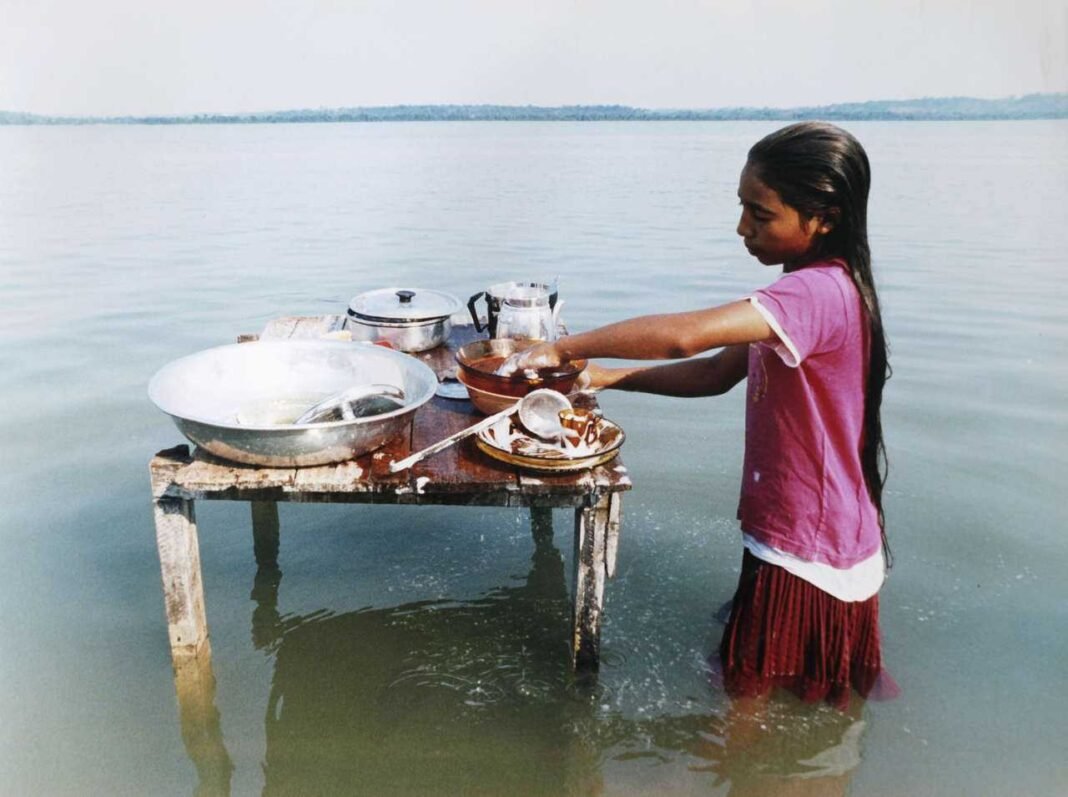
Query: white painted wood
302, 327
591, 525
179, 560
612, 534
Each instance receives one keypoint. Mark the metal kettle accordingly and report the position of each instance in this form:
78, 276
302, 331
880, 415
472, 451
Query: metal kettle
494, 297
526, 313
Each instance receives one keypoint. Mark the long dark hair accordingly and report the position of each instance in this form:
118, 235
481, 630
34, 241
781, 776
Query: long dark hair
821, 170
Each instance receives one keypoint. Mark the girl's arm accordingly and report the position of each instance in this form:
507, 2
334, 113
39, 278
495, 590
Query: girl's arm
706, 376
653, 337
670, 336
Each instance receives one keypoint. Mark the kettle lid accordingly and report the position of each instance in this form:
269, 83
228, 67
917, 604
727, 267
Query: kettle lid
527, 296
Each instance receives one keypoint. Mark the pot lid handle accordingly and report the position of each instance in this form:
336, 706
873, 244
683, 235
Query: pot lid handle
405, 296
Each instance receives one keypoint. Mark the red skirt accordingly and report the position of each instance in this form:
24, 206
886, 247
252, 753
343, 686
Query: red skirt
783, 631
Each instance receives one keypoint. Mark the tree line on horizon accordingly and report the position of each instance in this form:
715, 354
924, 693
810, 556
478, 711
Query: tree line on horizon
1031, 106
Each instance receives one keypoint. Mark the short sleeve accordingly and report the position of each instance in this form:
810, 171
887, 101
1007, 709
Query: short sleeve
807, 311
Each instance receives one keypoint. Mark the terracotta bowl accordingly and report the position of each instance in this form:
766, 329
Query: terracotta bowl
484, 401
478, 361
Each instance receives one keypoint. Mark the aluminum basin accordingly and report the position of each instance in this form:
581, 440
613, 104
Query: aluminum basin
203, 393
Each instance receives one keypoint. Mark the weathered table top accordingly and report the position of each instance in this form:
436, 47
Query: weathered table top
461, 474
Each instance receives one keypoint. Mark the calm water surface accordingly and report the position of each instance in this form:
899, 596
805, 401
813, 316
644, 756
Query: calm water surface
422, 650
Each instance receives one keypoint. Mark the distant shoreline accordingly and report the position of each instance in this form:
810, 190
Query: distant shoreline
1031, 106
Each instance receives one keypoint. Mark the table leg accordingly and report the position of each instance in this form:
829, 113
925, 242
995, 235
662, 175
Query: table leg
179, 560
612, 534
590, 572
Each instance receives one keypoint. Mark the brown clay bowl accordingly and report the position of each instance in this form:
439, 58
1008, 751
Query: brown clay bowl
484, 401
479, 359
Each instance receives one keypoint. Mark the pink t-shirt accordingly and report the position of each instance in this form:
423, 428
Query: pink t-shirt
803, 489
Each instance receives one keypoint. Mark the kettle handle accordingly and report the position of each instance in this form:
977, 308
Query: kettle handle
474, 312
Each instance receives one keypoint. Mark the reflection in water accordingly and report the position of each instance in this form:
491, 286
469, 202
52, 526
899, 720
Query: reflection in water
780, 747
432, 698
194, 682
477, 697
266, 621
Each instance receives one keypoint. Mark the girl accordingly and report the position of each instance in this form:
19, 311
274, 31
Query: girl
812, 349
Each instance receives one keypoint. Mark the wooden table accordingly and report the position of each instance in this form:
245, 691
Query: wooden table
461, 475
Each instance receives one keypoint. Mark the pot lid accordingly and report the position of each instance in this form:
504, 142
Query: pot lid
403, 304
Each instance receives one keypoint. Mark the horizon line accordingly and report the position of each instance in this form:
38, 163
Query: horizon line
1058, 109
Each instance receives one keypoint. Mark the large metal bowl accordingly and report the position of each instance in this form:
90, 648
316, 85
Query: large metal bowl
204, 392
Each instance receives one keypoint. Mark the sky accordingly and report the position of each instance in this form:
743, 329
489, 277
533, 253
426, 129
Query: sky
119, 57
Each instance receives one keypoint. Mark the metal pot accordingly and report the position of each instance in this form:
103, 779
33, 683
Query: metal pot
205, 393
409, 320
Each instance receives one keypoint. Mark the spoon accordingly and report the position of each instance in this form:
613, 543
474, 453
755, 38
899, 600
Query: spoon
534, 412
354, 402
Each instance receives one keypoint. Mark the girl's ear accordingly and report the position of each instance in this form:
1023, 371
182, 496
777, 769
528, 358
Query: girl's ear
828, 221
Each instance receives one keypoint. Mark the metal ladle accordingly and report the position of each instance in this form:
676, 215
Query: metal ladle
354, 402
539, 411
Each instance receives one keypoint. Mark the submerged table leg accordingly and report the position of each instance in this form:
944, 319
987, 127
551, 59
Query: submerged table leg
591, 531
266, 621
265, 531
194, 684
541, 524
179, 561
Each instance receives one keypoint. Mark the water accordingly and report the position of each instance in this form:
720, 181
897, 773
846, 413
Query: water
422, 650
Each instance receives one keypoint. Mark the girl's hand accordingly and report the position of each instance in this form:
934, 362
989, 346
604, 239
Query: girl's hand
542, 355
597, 377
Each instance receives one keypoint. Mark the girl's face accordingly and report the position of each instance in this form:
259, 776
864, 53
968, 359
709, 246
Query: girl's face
773, 231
